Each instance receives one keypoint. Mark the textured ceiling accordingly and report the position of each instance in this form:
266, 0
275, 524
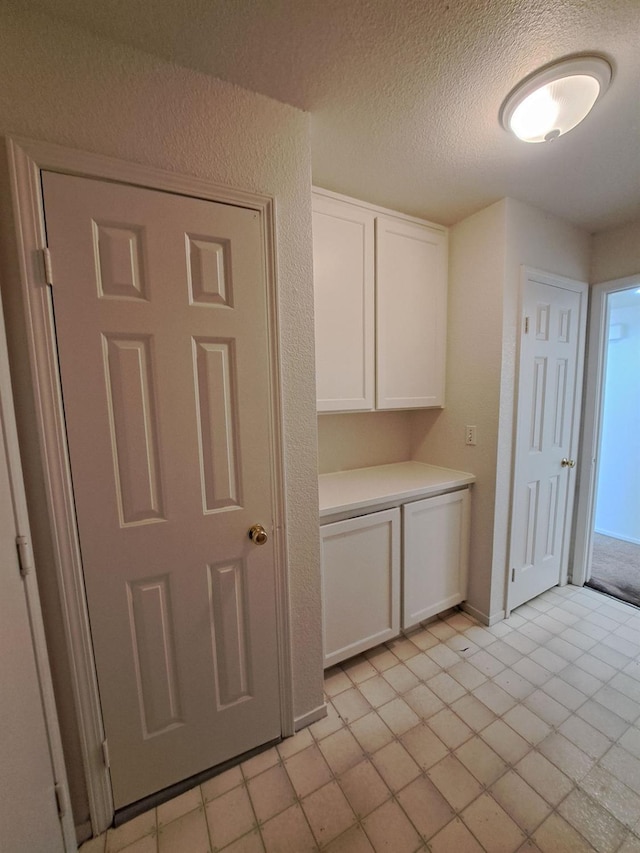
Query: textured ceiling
404, 94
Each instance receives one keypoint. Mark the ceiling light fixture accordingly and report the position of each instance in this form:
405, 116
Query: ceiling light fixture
555, 98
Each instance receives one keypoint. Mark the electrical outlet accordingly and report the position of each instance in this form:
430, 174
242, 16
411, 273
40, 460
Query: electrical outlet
470, 435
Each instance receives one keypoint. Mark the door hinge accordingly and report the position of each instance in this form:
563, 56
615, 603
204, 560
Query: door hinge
513, 575
105, 754
25, 555
526, 325
46, 265
61, 799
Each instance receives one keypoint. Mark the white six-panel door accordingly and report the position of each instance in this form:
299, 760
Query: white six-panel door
549, 392
161, 322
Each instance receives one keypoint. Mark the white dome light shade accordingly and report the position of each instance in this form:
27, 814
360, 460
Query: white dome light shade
555, 99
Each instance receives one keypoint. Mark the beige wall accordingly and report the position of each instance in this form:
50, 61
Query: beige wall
616, 253
361, 439
487, 251
61, 85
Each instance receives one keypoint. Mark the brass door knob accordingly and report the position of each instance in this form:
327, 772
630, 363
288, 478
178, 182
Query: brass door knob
258, 534
568, 463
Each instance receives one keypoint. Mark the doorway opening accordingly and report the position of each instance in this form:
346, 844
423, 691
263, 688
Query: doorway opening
615, 556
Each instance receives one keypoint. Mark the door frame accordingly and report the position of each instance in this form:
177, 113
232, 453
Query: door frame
592, 425
26, 160
582, 288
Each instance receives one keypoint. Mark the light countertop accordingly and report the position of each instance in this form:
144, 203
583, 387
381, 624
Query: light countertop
382, 486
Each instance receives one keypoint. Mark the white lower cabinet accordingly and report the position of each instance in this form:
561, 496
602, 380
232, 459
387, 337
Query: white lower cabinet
360, 583
435, 555
363, 571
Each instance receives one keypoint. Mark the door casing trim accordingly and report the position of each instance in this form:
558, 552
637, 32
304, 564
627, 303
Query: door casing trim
27, 159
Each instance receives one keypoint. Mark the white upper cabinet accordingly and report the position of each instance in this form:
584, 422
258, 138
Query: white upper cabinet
380, 306
411, 314
343, 263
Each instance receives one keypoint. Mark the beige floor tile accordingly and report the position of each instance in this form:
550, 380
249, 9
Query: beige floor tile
454, 837
547, 659
548, 709
271, 792
467, 675
424, 639
423, 746
130, 831
403, 648
623, 766
613, 794
630, 741
229, 817
351, 705
341, 751
486, 663
289, 832
454, 782
566, 650
96, 845
529, 847
460, 621
423, 667
581, 680
251, 843
585, 737
443, 656
481, 760
618, 703
513, 683
492, 826
307, 770
446, 687
398, 716
400, 678
544, 778
520, 801
519, 642
603, 719
451, 730
178, 806
352, 841
335, 681
390, 831
372, 733
425, 807
381, 658
593, 822
328, 812
480, 636
494, 697
557, 836
217, 785
442, 630
527, 724
327, 725
289, 746
146, 844
473, 712
505, 653
188, 832
395, 765
566, 756
377, 691
364, 788
359, 669
564, 693
631, 844
423, 701
507, 743
599, 669
462, 645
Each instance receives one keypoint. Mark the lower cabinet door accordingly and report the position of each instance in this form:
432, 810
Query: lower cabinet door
436, 546
360, 583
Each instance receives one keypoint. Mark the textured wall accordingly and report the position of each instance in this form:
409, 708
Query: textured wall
616, 253
60, 85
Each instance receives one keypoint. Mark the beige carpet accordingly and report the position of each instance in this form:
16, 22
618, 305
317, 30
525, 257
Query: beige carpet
615, 568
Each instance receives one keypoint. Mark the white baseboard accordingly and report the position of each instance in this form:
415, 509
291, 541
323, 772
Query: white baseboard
482, 617
619, 536
310, 717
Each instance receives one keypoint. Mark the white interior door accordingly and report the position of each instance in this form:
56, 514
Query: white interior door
161, 321
549, 396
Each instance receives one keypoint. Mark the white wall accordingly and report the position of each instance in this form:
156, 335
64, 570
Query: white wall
61, 85
616, 253
487, 251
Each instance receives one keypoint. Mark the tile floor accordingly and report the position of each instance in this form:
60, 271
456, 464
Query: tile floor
457, 739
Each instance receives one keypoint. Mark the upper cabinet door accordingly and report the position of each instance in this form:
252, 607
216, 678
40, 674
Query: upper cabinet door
411, 314
343, 263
